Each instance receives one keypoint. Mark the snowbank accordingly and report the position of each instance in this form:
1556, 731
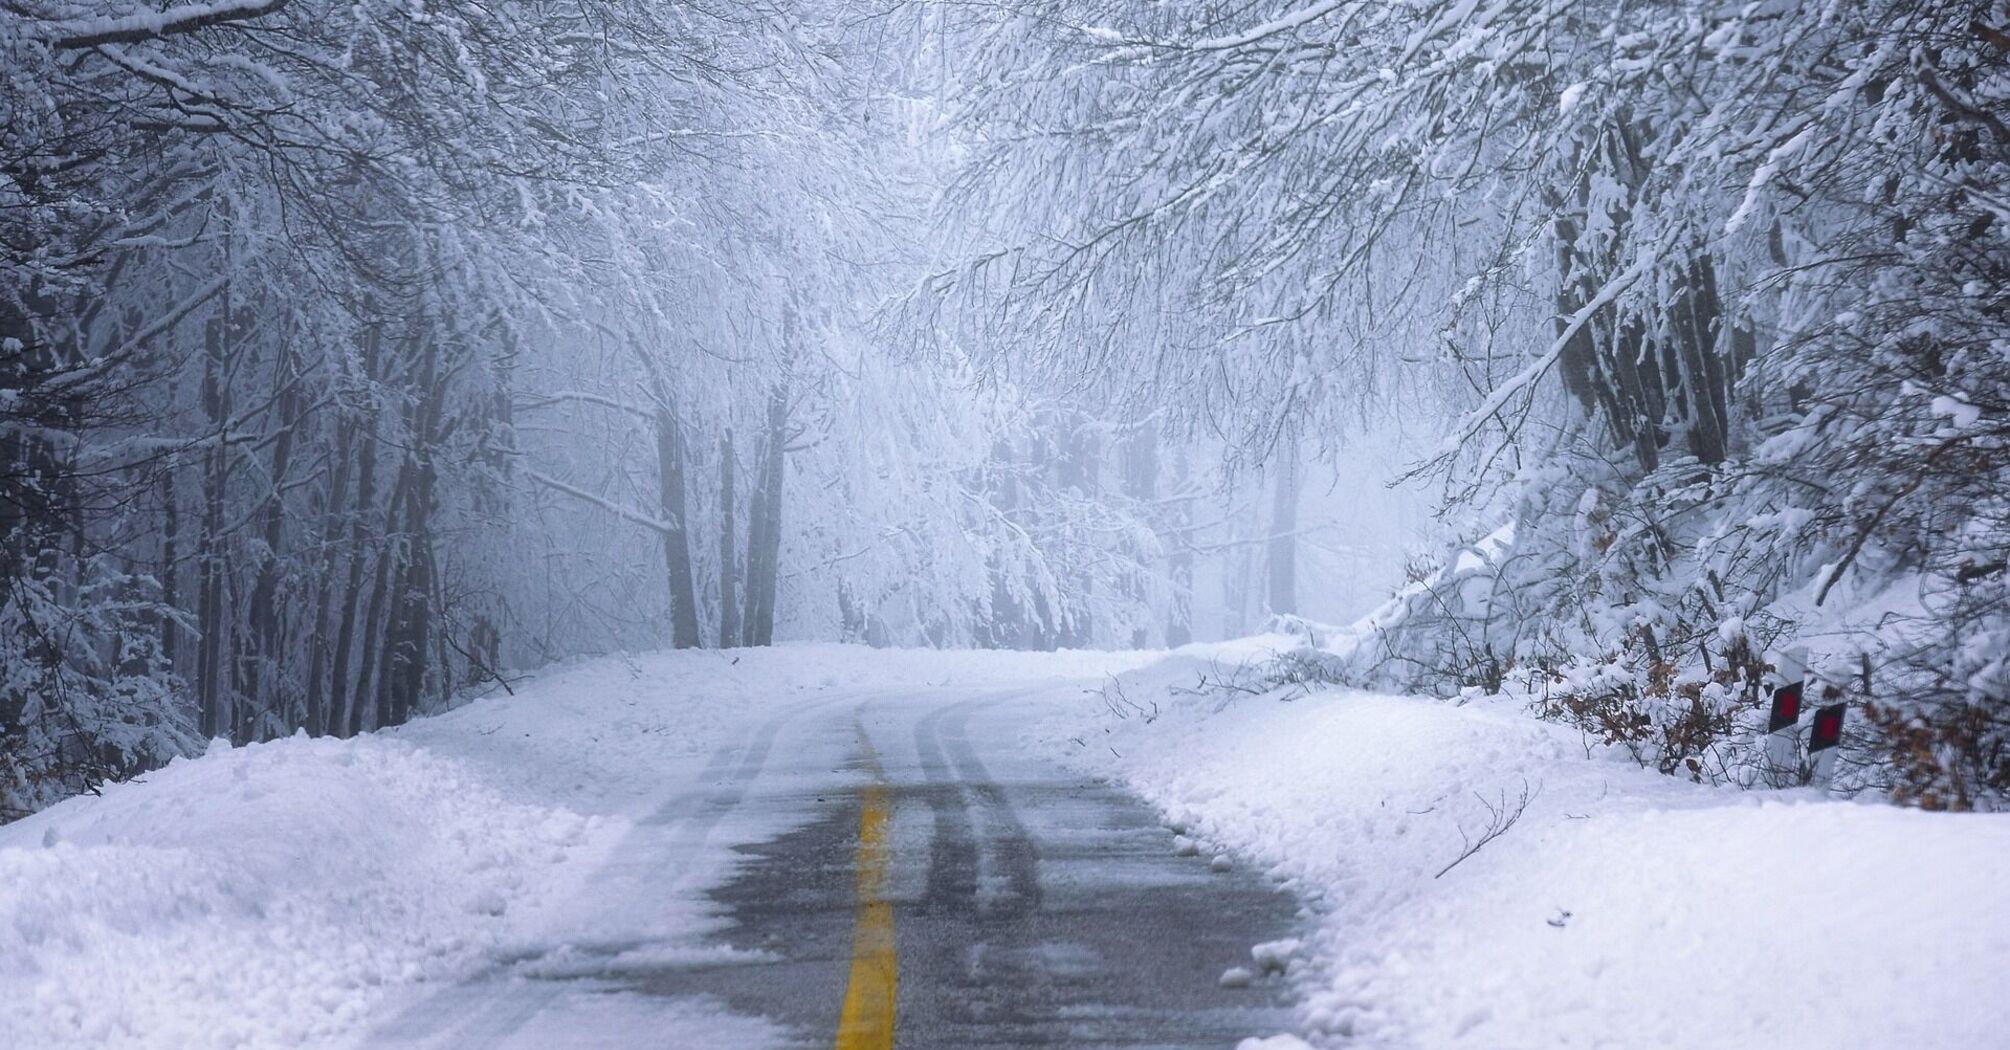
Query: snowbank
259, 896
1622, 909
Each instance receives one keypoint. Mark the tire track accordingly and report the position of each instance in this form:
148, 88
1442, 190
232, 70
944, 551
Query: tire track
982, 973
1013, 849
952, 849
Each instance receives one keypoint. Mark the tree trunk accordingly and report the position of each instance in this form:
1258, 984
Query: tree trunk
406, 643
1005, 622
1141, 484
317, 714
1284, 532
170, 566
1702, 375
1653, 374
729, 561
1238, 573
1077, 474
676, 538
212, 623
262, 677
30, 516
409, 518
1179, 610
342, 693
764, 537
367, 708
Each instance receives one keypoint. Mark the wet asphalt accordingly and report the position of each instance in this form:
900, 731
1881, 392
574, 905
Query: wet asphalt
1032, 907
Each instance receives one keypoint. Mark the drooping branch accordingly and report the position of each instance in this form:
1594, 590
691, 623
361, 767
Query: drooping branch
624, 513
152, 25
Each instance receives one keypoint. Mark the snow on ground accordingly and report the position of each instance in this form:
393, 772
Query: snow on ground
259, 895
283, 894
1623, 909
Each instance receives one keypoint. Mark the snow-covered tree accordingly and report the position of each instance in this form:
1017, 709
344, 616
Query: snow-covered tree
1709, 290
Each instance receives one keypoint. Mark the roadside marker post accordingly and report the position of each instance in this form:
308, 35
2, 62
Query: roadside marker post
1823, 739
1783, 753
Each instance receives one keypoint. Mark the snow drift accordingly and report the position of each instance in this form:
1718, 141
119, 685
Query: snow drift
1619, 908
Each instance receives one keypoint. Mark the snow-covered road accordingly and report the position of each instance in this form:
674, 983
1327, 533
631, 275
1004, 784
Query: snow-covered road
1025, 905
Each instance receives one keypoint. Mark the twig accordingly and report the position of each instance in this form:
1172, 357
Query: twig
1499, 819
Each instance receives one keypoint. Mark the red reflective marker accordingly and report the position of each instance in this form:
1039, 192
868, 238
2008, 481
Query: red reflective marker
1786, 707
1827, 731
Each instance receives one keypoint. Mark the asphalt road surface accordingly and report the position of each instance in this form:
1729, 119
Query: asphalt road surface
933, 886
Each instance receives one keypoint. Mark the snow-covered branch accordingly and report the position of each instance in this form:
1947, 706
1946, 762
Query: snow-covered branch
141, 26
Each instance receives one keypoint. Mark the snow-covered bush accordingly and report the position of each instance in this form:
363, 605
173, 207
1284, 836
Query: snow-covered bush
85, 696
1593, 611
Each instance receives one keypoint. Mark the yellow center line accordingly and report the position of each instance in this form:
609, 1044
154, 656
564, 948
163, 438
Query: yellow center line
866, 1022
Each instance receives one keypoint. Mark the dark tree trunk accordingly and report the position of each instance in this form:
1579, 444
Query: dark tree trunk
764, 536
409, 520
262, 674
366, 711
29, 516
407, 642
317, 715
211, 618
670, 467
729, 559
343, 698
170, 566
1702, 374
402, 666
1179, 616
1238, 575
1005, 623
1651, 376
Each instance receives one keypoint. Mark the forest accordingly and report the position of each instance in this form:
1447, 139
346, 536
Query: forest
359, 358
